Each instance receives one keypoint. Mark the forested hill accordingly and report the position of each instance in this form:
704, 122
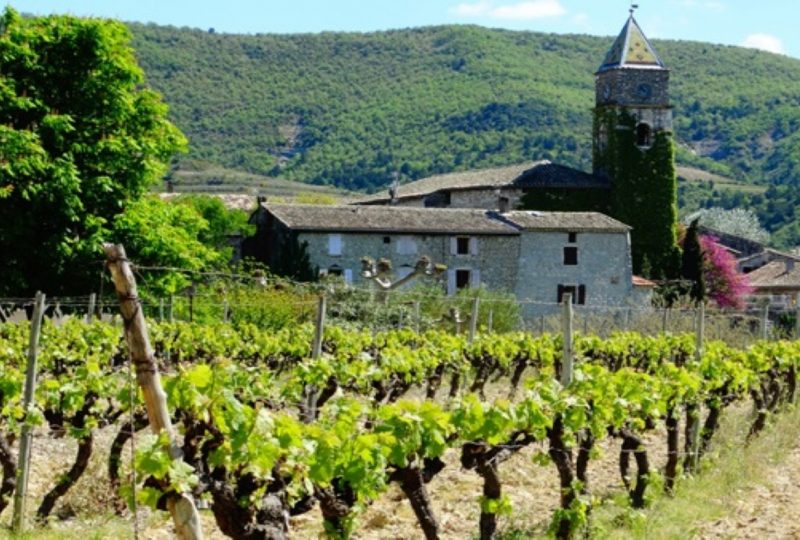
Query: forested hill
348, 109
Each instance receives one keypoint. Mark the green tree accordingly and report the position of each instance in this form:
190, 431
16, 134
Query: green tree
159, 233
81, 138
692, 262
222, 222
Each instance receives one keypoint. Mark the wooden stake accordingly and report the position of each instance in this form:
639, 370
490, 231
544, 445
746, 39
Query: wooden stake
566, 327
181, 506
24, 457
473, 320
319, 327
698, 354
90, 311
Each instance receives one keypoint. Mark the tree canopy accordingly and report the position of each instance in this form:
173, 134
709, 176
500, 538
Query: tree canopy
81, 139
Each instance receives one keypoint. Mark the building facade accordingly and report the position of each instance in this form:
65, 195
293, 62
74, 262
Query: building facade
538, 256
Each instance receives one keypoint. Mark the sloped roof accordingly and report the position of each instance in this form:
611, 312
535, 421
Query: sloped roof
390, 219
413, 220
537, 174
776, 275
564, 221
631, 49
545, 174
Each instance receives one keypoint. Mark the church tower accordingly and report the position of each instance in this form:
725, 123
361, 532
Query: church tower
633, 147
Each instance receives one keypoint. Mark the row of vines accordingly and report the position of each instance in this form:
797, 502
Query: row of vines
269, 432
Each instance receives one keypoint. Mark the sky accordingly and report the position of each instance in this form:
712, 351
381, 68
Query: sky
765, 24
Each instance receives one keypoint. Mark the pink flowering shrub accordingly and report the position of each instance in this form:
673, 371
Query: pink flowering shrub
724, 283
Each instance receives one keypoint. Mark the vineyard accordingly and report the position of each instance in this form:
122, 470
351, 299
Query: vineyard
270, 430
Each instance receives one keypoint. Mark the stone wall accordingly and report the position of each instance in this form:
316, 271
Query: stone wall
495, 257
604, 268
488, 198
623, 86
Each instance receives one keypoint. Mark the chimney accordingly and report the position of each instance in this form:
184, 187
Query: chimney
789, 265
393, 188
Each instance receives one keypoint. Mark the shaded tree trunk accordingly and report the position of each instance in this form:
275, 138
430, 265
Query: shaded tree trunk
632, 445
671, 470
9, 464
68, 480
562, 457
413, 486
115, 456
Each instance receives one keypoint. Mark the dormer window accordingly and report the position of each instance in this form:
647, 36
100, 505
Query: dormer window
644, 135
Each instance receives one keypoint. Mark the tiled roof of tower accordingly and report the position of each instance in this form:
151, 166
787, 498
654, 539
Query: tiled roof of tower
631, 49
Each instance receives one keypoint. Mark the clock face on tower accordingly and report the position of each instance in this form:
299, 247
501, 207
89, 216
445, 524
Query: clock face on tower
644, 91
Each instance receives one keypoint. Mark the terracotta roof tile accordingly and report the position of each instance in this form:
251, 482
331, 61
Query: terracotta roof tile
776, 274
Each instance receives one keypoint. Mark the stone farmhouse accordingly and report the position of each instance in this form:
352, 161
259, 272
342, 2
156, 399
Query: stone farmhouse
632, 177
538, 256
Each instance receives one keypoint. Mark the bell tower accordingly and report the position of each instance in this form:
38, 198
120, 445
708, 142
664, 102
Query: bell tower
633, 147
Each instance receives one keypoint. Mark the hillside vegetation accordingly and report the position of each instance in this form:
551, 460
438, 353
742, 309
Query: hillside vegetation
348, 109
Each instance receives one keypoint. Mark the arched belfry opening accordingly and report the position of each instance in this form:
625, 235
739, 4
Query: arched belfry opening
644, 135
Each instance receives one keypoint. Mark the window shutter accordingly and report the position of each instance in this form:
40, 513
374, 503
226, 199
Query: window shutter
451, 281
334, 244
348, 276
582, 294
475, 278
473, 245
453, 245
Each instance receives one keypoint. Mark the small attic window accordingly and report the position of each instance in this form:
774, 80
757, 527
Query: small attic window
644, 135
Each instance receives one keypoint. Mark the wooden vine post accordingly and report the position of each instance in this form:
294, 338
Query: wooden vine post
567, 358
180, 505
23, 466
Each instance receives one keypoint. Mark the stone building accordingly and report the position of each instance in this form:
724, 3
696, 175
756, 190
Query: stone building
633, 174
538, 256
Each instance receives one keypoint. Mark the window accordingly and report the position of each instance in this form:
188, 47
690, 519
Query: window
335, 270
386, 239
463, 245
462, 279
503, 203
643, 135
578, 293
570, 256
334, 244
406, 245
572, 237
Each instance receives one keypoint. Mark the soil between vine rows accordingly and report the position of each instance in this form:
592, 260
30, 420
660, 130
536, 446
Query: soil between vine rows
764, 511
533, 490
